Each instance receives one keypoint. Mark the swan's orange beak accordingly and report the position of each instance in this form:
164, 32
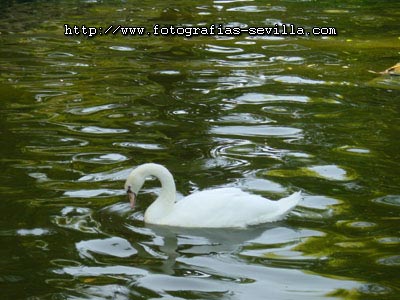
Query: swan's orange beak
131, 197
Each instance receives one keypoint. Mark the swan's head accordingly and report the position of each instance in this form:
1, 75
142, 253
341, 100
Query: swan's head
133, 184
138, 176
131, 196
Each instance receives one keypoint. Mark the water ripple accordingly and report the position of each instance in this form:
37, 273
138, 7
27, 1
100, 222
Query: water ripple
329, 172
392, 200
257, 98
98, 130
122, 48
258, 280
243, 148
93, 193
257, 130
297, 80
284, 47
240, 118
99, 158
92, 109
147, 146
34, 232
393, 261
99, 271
220, 49
256, 9
247, 56
113, 246
77, 218
112, 175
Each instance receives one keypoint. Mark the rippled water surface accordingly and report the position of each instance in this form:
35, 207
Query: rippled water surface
269, 114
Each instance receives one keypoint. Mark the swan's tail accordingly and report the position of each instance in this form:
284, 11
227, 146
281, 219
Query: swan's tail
288, 203
277, 210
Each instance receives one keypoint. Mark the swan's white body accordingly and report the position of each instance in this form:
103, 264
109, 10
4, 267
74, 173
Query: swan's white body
222, 207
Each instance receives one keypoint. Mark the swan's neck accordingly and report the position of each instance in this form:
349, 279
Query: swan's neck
164, 203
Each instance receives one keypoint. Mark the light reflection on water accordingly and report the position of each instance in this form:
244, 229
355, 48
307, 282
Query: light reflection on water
270, 115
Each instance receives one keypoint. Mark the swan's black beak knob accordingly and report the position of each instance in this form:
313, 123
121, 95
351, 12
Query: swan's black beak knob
131, 197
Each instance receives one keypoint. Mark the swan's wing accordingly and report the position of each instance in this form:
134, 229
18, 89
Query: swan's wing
228, 207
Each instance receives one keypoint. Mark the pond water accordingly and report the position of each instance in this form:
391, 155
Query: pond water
269, 114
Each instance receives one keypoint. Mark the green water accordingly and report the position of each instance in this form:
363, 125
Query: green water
269, 114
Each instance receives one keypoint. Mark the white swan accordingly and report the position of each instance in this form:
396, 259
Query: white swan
222, 207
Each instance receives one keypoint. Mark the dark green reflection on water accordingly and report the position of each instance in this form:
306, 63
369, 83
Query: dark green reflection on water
268, 114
